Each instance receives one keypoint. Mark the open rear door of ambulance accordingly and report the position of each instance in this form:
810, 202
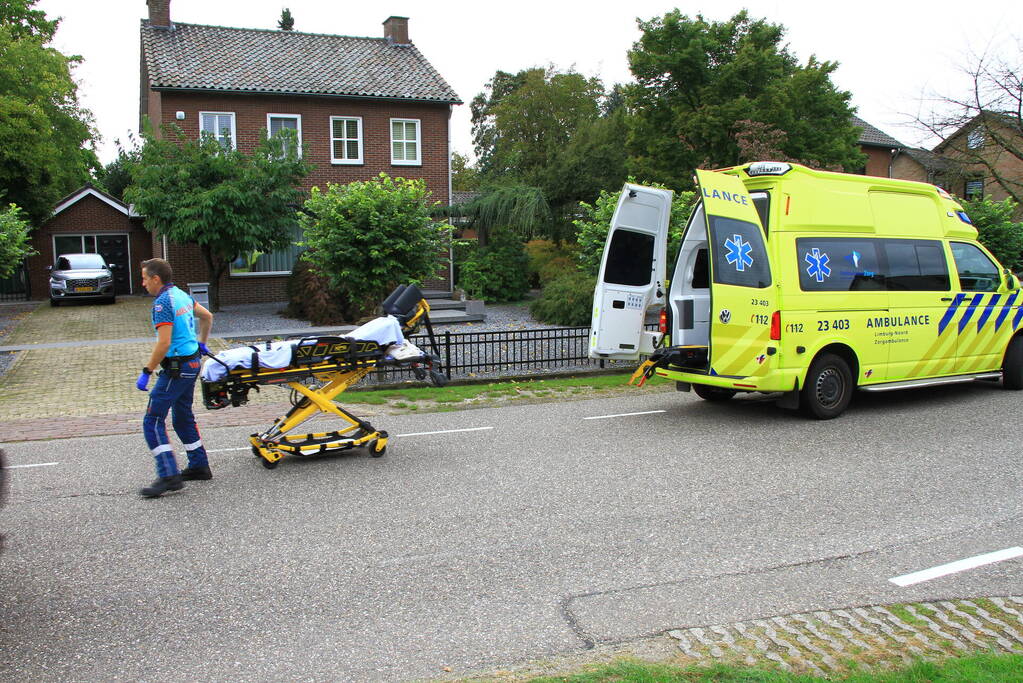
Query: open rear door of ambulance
742, 298
632, 273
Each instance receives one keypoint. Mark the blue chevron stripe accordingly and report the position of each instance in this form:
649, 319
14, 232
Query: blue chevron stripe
1005, 310
1019, 315
947, 318
988, 309
969, 311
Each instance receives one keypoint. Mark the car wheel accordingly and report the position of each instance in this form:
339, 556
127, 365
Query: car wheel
828, 387
708, 393
1012, 366
54, 302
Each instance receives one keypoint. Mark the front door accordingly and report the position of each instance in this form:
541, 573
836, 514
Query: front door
114, 250
632, 274
742, 298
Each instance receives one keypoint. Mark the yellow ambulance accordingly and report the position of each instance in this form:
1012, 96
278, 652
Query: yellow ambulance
810, 283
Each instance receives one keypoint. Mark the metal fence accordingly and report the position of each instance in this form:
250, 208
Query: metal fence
509, 352
15, 287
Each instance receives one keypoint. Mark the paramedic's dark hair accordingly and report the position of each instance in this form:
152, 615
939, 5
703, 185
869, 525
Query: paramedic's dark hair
159, 268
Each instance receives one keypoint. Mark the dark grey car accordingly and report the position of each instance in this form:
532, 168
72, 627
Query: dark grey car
81, 276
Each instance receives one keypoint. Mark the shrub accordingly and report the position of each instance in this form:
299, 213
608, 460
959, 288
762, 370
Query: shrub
547, 260
311, 298
566, 300
497, 272
997, 231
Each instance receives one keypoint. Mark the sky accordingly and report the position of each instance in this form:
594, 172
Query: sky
896, 57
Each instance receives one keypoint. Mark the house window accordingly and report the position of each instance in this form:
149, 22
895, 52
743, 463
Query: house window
277, 262
275, 123
975, 138
219, 124
405, 142
346, 139
974, 190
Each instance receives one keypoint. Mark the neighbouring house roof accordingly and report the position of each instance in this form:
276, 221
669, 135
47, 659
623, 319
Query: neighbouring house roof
928, 159
216, 58
88, 190
1009, 120
874, 137
462, 197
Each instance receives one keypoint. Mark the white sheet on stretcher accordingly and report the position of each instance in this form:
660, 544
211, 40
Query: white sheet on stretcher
385, 331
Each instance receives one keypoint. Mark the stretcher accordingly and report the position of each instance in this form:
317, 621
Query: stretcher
320, 369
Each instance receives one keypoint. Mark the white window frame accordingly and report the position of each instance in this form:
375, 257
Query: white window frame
419, 142
298, 130
330, 135
216, 133
976, 138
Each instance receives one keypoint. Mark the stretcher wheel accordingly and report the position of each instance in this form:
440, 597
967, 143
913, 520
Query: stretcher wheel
255, 452
269, 465
376, 449
438, 378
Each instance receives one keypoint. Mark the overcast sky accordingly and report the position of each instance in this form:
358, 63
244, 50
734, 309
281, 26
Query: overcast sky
894, 55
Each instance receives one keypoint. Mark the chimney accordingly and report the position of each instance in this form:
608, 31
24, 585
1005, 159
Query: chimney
396, 30
159, 13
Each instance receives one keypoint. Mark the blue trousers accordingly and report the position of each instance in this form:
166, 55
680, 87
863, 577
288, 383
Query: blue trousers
174, 395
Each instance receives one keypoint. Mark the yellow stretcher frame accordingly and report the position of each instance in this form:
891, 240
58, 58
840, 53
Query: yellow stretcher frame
335, 375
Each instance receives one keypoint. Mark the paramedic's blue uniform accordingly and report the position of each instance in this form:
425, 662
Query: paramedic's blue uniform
173, 307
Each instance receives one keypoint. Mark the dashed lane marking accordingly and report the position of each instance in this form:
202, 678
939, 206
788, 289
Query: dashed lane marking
957, 566
605, 417
38, 464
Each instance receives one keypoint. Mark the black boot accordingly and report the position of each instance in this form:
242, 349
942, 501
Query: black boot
196, 473
163, 485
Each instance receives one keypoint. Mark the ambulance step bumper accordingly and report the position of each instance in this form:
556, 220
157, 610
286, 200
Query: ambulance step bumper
932, 381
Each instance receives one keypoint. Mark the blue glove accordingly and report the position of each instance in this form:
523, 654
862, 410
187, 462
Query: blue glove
143, 381
204, 350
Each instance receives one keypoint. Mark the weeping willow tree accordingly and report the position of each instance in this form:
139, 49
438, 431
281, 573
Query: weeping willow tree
522, 208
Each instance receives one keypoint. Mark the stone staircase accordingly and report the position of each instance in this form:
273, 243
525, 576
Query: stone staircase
447, 311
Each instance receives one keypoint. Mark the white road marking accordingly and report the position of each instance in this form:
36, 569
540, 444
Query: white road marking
604, 417
39, 464
957, 566
443, 431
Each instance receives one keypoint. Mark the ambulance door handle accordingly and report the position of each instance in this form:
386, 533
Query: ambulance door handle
947, 298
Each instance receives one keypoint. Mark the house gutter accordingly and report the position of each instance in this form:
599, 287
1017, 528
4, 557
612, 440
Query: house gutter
289, 93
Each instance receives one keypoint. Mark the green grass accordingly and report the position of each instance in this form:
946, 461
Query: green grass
409, 397
981, 668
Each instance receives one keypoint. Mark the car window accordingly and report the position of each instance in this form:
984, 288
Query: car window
63, 264
977, 273
83, 261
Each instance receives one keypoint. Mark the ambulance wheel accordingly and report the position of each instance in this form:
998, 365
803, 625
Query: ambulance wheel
1012, 366
828, 387
376, 449
708, 393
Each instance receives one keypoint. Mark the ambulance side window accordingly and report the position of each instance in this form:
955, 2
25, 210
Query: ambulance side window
976, 271
739, 254
838, 264
762, 203
630, 259
917, 265
701, 270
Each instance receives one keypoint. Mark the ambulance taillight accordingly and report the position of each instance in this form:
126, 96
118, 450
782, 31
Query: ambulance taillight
776, 326
662, 322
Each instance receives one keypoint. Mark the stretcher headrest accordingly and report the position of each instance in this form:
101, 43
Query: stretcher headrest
402, 303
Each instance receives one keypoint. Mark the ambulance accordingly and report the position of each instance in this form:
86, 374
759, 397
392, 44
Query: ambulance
809, 283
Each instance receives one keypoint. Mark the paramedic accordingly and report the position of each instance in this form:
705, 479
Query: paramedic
177, 351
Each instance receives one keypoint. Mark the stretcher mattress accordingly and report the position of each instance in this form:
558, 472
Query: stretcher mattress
385, 331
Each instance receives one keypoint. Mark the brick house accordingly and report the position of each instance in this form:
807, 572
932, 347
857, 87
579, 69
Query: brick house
360, 106
983, 157
91, 221
879, 147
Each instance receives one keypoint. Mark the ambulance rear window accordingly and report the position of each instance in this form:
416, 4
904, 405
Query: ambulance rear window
739, 254
630, 258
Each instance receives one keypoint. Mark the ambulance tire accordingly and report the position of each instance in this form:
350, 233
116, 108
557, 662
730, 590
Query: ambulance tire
828, 387
708, 393
1012, 366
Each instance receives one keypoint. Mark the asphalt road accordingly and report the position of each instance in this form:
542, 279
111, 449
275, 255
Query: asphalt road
539, 532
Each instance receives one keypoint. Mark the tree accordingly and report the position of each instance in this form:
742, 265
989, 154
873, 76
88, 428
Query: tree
14, 240
982, 131
115, 177
45, 135
286, 22
222, 200
367, 237
997, 231
696, 80
464, 176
